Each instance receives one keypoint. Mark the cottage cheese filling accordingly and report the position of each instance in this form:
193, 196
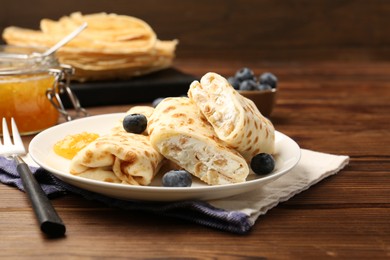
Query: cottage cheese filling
202, 160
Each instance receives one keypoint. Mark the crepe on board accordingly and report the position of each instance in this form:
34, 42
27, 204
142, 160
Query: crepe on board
112, 46
236, 119
182, 134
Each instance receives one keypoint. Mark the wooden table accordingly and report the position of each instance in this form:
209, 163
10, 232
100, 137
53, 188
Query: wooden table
339, 108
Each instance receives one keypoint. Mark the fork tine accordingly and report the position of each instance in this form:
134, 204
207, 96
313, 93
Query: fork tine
6, 136
16, 136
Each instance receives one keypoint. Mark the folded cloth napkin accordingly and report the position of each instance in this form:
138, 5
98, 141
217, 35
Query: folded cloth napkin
235, 214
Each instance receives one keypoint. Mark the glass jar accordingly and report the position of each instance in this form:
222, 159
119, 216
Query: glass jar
30, 88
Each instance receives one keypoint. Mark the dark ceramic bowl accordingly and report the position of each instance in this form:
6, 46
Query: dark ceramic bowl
264, 100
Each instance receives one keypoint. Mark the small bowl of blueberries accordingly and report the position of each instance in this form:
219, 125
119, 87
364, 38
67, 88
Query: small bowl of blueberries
261, 90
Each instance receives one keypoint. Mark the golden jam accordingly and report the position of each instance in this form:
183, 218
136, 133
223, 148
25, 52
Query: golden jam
23, 97
72, 144
25, 76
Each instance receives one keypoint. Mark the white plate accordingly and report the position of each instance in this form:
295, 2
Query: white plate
41, 150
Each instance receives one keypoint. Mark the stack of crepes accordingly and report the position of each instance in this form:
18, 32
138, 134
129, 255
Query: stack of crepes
111, 47
213, 134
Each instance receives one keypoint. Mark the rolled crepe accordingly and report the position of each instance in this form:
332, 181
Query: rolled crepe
100, 174
130, 157
147, 111
182, 134
236, 119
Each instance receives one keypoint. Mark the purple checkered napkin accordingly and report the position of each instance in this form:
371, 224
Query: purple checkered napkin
235, 214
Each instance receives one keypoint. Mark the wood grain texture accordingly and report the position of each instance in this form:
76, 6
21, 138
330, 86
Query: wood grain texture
331, 58
286, 30
333, 107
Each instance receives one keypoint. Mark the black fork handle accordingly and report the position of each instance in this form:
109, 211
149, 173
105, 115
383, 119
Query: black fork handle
49, 221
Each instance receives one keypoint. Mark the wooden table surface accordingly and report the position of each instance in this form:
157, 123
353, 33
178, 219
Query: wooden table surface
331, 107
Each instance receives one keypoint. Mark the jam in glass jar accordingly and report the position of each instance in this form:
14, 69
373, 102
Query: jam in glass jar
30, 87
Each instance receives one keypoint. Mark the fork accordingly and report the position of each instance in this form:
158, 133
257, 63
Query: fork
49, 221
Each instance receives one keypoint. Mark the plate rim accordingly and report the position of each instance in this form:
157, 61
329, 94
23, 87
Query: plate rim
63, 175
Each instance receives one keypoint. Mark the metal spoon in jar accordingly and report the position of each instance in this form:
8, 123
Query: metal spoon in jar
64, 41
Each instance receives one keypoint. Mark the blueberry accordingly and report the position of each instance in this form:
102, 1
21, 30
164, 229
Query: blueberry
248, 85
135, 123
262, 163
234, 82
268, 78
263, 87
244, 74
157, 101
177, 178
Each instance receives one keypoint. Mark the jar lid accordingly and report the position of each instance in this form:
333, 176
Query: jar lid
15, 60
